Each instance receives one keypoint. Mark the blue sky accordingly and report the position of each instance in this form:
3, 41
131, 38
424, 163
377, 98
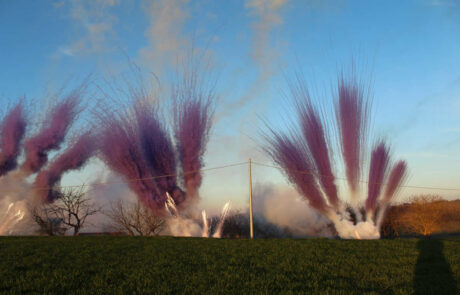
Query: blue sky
410, 49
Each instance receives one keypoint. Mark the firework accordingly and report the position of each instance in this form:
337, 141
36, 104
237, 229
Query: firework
352, 116
120, 150
21, 185
137, 145
71, 159
306, 160
53, 133
12, 132
192, 122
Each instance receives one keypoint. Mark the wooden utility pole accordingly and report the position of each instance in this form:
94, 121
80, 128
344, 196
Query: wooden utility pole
251, 226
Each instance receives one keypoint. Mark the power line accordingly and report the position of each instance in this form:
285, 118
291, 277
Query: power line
136, 179
95, 184
362, 181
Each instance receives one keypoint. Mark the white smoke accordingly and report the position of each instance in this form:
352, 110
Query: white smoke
15, 200
346, 229
284, 207
185, 226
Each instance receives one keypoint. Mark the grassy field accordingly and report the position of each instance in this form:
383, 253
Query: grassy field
135, 265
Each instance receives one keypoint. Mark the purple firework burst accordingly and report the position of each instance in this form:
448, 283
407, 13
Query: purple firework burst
193, 115
53, 133
352, 117
306, 160
158, 150
71, 159
12, 131
120, 150
380, 157
316, 139
290, 154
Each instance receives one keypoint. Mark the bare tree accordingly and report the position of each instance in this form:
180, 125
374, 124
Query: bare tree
424, 215
73, 208
47, 222
135, 219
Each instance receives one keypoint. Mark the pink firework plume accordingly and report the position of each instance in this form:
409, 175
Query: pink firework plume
53, 133
120, 150
158, 150
315, 137
192, 123
352, 116
306, 160
291, 155
12, 131
138, 145
377, 170
71, 159
397, 176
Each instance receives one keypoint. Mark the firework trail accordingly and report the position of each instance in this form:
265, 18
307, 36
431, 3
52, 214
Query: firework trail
71, 159
120, 150
377, 170
158, 150
52, 134
296, 154
193, 115
12, 132
397, 176
352, 116
223, 215
10, 218
290, 153
315, 137
205, 233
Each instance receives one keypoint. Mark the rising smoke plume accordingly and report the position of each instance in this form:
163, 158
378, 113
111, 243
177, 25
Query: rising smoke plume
305, 159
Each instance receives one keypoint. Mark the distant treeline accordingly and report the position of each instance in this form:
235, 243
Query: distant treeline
424, 215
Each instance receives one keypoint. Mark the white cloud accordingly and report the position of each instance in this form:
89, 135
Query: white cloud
93, 23
164, 34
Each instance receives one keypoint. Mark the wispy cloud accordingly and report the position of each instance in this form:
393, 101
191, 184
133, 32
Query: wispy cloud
266, 17
94, 25
164, 34
66, 51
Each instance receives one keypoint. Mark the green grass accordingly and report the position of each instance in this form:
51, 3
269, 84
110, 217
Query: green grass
135, 265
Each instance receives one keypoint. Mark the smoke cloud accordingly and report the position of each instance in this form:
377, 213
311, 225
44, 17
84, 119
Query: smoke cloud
284, 207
